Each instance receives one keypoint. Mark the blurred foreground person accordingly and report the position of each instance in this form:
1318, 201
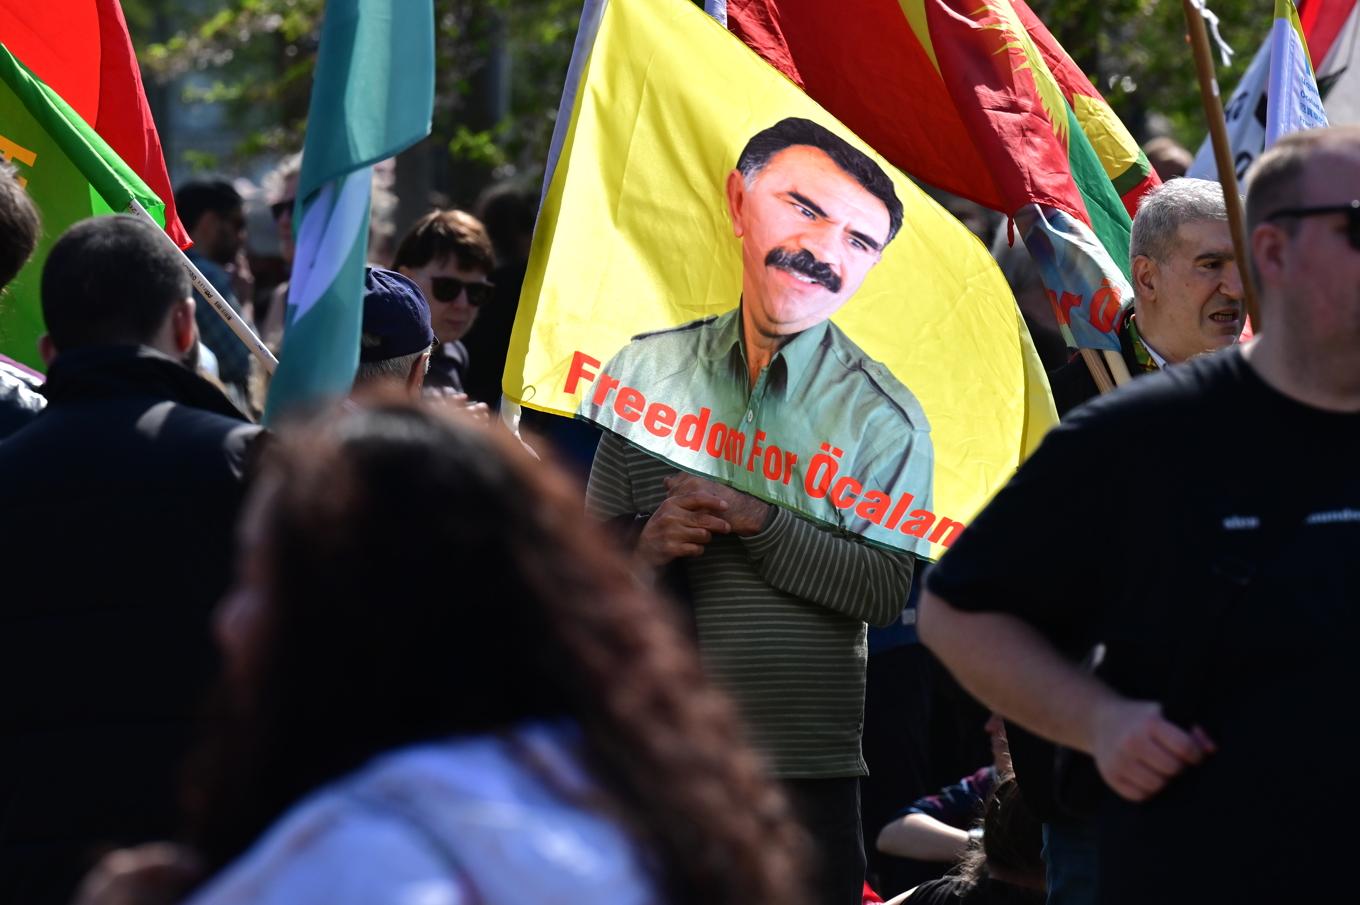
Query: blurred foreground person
118, 504
1222, 632
541, 735
20, 400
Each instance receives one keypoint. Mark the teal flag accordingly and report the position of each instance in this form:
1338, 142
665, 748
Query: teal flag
372, 97
71, 174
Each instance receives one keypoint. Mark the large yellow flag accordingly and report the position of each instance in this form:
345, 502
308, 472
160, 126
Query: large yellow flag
726, 276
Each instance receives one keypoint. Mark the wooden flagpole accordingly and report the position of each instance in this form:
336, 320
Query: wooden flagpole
1218, 132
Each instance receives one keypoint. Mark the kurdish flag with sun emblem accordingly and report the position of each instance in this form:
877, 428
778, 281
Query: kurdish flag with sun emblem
977, 98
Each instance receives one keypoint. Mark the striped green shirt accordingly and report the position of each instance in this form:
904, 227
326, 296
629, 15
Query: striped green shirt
781, 618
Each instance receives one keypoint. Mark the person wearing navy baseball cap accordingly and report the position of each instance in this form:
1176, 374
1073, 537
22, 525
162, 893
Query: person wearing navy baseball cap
397, 337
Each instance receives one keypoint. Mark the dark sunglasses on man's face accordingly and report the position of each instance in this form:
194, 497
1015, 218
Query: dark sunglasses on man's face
447, 289
1350, 209
279, 208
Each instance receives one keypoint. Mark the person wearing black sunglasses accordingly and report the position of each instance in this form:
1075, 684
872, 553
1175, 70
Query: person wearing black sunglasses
448, 254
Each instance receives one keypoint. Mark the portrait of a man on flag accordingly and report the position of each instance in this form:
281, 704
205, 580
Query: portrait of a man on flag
773, 381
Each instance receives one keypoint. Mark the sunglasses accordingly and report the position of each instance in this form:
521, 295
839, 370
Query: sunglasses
279, 208
1350, 209
447, 289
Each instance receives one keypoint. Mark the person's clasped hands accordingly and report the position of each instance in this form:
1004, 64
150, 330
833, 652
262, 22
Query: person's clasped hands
694, 511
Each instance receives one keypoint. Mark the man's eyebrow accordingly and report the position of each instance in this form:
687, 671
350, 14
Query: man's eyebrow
812, 206
807, 203
867, 240
1211, 256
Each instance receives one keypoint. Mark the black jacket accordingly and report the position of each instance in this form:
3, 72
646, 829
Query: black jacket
117, 508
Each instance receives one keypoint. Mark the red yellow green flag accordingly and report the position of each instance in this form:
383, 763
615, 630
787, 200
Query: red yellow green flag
977, 98
70, 172
81, 50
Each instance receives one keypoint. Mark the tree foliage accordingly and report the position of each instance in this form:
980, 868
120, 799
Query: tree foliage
1137, 53
499, 69
500, 65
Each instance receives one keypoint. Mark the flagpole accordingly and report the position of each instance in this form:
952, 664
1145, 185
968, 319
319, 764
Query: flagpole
1218, 132
1099, 373
219, 304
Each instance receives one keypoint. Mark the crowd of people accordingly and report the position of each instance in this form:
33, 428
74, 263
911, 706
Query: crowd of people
391, 652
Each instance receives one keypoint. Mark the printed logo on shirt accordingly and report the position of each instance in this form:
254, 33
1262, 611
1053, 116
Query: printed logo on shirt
1334, 517
1241, 523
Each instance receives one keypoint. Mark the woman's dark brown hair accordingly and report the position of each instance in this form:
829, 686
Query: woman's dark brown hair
427, 578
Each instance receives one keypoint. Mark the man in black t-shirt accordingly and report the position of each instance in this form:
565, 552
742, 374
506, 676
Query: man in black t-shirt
1223, 580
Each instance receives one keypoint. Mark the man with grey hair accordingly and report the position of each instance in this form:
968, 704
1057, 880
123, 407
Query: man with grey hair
1187, 293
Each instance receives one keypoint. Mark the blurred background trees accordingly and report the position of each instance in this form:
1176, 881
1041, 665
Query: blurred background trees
229, 81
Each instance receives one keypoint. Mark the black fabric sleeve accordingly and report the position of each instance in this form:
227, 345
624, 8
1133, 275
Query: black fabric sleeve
1045, 547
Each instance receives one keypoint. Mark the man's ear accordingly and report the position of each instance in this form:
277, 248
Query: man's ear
736, 197
1268, 243
1145, 277
47, 350
183, 327
416, 379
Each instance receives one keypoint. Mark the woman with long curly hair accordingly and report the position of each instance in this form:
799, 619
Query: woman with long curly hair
444, 686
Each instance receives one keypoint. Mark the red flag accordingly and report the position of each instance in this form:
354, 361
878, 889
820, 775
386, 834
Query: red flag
1322, 22
82, 50
919, 82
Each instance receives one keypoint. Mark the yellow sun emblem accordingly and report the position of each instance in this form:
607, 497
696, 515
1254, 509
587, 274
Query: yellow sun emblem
1021, 45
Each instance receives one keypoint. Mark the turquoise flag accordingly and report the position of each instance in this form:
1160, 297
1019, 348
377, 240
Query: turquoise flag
372, 97
1293, 102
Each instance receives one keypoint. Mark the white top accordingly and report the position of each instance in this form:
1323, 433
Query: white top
471, 821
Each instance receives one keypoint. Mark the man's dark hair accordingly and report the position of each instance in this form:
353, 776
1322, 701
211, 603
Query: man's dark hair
795, 131
194, 199
110, 281
443, 234
19, 225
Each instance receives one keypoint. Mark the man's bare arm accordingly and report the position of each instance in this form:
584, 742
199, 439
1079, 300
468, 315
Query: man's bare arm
1013, 669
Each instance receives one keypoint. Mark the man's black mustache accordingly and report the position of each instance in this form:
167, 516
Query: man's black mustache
805, 264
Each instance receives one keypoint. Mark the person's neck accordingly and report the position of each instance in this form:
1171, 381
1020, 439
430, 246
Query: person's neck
760, 349
1154, 343
1319, 371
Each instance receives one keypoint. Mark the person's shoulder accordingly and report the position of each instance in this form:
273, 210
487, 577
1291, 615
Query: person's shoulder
670, 344
878, 378
1173, 397
682, 333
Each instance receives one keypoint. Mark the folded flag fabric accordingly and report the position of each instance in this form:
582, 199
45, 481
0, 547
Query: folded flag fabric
81, 50
1293, 102
977, 98
71, 173
372, 97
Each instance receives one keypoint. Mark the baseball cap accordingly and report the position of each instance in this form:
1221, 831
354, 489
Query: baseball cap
396, 317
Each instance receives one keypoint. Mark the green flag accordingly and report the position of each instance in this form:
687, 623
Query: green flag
71, 174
